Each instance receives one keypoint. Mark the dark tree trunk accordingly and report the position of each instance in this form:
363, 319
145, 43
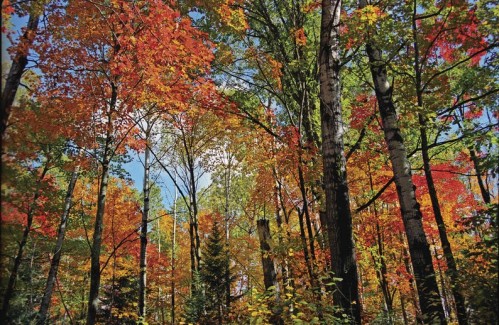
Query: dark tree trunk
93, 296
424, 273
9, 291
16, 71
449, 256
269, 273
476, 163
56, 258
452, 270
338, 214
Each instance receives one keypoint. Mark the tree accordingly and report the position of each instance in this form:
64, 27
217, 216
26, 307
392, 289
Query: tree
113, 38
429, 297
215, 273
19, 62
338, 214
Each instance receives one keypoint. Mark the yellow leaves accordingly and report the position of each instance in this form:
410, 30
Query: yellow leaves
233, 18
371, 14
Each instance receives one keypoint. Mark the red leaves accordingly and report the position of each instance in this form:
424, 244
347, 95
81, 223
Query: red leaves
453, 35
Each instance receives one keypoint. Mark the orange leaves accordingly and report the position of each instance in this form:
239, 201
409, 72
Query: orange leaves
300, 37
268, 68
108, 59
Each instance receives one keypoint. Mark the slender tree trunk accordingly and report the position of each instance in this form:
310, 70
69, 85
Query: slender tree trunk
16, 71
193, 210
382, 270
227, 231
478, 170
9, 291
93, 296
174, 233
56, 258
404, 312
269, 273
452, 270
442, 231
412, 284
143, 231
429, 298
338, 214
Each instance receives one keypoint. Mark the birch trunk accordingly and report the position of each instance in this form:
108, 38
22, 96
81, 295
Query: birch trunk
338, 215
424, 273
143, 231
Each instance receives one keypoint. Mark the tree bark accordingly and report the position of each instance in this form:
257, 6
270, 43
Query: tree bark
338, 214
143, 231
16, 71
452, 270
429, 298
269, 273
174, 233
56, 258
93, 296
476, 163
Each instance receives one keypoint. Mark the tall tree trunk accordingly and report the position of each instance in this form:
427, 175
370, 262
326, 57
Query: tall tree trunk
16, 71
269, 273
452, 270
338, 214
227, 179
56, 258
426, 283
143, 230
174, 233
9, 291
193, 210
424, 273
93, 295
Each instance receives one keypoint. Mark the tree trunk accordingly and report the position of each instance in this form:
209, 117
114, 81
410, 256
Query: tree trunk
424, 273
93, 296
56, 258
143, 232
452, 270
227, 178
9, 291
476, 164
449, 256
16, 71
269, 273
174, 233
338, 214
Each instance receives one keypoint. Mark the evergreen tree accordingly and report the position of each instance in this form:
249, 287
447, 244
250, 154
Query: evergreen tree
214, 274
195, 304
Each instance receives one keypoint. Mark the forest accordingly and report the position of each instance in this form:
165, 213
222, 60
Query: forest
249, 162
